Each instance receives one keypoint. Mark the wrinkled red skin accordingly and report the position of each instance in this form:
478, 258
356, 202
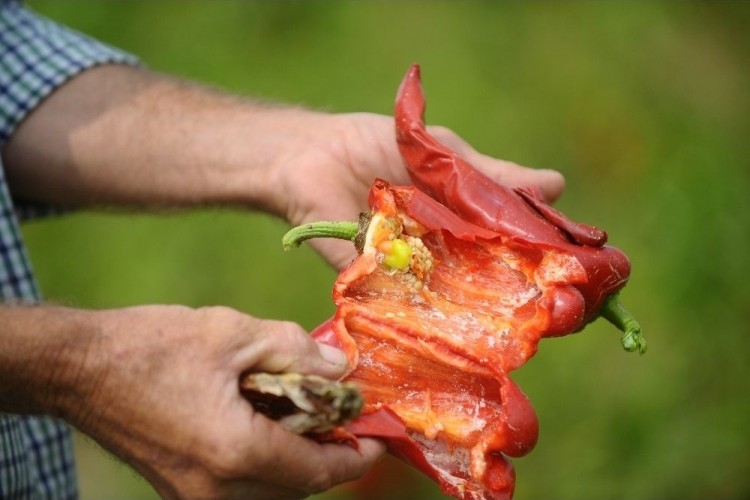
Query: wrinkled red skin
453, 199
446, 177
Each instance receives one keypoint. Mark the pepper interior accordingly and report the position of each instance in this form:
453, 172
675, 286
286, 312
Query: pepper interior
437, 351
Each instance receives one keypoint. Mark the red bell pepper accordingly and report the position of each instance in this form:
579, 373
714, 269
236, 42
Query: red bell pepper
457, 280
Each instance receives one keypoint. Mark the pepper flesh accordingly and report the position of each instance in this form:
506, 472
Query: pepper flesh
433, 362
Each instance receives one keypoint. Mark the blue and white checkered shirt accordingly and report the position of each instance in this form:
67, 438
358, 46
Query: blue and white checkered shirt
36, 56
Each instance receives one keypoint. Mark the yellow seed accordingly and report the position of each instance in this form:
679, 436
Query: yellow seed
398, 255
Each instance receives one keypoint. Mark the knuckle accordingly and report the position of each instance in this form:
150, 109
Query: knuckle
219, 313
226, 319
291, 338
278, 346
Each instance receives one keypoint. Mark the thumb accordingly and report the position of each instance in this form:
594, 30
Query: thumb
285, 347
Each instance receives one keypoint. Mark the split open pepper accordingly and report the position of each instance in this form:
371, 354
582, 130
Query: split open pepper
458, 278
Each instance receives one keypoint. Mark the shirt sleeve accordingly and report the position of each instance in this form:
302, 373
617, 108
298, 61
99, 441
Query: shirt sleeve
36, 57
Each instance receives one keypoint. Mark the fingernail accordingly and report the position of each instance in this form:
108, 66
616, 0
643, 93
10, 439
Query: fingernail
332, 355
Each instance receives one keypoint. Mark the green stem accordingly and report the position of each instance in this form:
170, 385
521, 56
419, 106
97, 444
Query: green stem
344, 230
614, 312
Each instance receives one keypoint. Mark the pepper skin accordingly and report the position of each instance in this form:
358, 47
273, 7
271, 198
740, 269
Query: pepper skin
520, 214
431, 347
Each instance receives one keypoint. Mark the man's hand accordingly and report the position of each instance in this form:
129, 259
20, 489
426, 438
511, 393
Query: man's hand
159, 387
328, 175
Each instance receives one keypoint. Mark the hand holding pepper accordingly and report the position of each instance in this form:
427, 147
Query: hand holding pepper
329, 176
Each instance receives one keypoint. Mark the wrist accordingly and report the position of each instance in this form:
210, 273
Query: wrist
317, 166
285, 144
44, 352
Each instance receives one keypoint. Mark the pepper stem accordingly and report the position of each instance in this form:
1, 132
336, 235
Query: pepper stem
343, 230
614, 312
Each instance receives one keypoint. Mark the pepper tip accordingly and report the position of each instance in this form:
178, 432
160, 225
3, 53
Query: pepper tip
632, 341
613, 311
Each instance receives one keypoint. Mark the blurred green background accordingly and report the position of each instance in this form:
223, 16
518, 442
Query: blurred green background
643, 106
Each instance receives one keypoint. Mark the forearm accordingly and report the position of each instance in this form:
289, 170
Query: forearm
118, 135
42, 353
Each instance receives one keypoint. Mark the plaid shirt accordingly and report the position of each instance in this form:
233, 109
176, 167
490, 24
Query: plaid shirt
36, 56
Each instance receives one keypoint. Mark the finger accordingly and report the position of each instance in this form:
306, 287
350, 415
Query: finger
285, 347
348, 464
299, 463
338, 253
550, 182
242, 490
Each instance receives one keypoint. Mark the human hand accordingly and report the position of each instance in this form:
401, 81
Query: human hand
327, 177
159, 388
